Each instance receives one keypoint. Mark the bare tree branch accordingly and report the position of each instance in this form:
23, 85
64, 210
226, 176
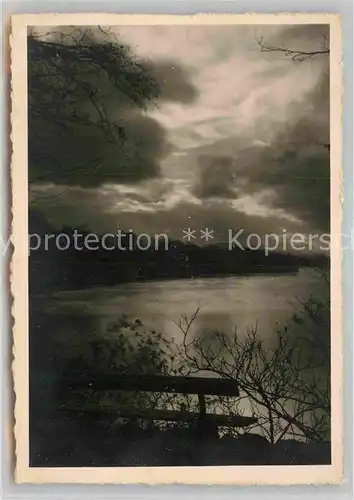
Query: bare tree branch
296, 55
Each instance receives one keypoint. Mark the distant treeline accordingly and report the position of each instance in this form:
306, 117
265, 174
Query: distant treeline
56, 269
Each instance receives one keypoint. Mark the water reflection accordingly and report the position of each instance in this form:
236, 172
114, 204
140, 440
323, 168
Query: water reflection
223, 303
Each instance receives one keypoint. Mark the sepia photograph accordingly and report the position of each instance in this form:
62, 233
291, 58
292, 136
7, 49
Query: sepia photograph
176, 206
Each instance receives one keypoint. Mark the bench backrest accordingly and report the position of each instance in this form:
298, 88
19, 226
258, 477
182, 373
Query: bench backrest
200, 386
153, 383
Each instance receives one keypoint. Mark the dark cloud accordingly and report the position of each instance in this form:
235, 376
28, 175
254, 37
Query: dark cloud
295, 165
300, 179
306, 36
86, 208
174, 81
217, 177
83, 156
70, 206
71, 152
297, 174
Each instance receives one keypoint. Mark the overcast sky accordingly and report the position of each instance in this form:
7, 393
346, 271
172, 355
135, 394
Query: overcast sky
236, 137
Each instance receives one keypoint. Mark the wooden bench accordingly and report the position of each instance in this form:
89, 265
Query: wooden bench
200, 386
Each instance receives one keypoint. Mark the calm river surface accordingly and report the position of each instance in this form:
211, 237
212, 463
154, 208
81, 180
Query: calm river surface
224, 302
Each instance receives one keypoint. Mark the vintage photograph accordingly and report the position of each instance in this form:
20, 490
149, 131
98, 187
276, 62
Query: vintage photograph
179, 244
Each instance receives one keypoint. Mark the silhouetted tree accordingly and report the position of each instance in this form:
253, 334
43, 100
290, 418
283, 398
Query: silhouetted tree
72, 74
286, 385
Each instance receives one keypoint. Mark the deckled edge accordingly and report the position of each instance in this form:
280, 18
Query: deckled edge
19, 238
11, 263
12, 260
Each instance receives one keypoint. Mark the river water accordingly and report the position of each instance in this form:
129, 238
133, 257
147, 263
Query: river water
224, 303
